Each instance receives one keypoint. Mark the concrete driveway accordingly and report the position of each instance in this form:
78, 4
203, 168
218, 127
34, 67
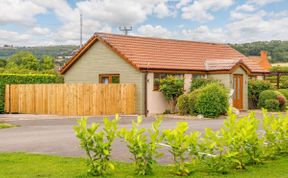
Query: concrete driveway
54, 135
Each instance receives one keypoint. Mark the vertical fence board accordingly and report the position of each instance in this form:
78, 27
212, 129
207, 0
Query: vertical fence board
71, 99
7, 106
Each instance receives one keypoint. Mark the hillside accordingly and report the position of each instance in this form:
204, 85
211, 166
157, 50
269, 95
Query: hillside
277, 50
54, 51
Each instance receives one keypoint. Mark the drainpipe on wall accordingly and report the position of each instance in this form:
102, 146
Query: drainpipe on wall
145, 90
145, 94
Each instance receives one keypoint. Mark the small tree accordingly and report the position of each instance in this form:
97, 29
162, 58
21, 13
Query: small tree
172, 87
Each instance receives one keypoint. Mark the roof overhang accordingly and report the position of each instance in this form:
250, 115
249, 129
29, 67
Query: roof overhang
86, 47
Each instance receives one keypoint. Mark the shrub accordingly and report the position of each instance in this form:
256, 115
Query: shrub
186, 102
144, 150
284, 84
272, 105
212, 100
276, 134
284, 92
214, 152
193, 96
241, 138
201, 82
22, 79
279, 68
183, 104
97, 145
172, 88
179, 145
272, 100
255, 87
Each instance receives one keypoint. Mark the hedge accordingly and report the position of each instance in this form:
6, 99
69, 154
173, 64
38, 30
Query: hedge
212, 101
22, 79
284, 92
198, 83
278, 103
255, 87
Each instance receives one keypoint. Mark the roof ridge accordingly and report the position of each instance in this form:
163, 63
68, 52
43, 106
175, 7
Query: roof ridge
155, 38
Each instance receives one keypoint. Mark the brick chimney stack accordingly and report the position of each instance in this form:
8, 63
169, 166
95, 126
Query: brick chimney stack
264, 60
263, 55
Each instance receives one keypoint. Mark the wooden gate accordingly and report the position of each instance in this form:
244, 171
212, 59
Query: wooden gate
70, 99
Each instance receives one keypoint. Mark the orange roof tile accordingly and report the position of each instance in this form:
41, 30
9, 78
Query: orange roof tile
167, 54
263, 63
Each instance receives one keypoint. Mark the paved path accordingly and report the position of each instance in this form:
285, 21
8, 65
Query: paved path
54, 135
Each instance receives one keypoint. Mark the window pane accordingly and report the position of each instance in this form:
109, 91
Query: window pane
156, 81
115, 79
195, 76
234, 83
105, 80
238, 88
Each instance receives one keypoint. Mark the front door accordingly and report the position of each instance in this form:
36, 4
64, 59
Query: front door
238, 91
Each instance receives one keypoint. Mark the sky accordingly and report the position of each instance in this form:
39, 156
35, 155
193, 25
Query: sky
57, 22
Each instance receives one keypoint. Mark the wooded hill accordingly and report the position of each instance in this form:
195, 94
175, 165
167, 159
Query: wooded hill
277, 50
54, 51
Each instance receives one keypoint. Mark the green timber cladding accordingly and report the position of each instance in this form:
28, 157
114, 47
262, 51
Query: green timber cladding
99, 59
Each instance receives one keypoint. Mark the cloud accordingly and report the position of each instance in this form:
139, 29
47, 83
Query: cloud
245, 7
203, 33
245, 27
161, 10
19, 11
154, 31
263, 2
259, 26
201, 10
40, 31
7, 37
248, 21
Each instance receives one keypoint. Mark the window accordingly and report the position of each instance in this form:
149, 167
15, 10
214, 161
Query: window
159, 76
194, 76
109, 78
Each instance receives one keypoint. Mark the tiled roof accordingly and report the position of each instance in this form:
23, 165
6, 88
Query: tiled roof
219, 64
264, 63
167, 54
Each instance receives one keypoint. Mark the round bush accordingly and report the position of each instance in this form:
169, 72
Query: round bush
272, 105
255, 87
183, 104
186, 103
272, 95
193, 96
212, 100
198, 83
284, 92
284, 84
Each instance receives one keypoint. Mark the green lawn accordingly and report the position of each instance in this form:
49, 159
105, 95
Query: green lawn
22, 165
5, 125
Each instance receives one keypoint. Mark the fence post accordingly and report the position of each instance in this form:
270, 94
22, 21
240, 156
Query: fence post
278, 80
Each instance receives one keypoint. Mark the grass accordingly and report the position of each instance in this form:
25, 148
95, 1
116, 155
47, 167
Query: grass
6, 125
16, 165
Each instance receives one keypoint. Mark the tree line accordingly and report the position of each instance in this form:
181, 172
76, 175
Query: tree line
25, 62
277, 49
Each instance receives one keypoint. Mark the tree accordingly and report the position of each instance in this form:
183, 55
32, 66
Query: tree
3, 62
24, 60
172, 87
47, 62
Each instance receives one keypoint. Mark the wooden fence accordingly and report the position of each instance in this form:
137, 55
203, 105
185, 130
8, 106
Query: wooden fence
70, 99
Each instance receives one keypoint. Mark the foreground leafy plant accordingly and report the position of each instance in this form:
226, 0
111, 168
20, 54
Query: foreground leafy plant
181, 146
276, 134
241, 138
97, 145
214, 152
144, 151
